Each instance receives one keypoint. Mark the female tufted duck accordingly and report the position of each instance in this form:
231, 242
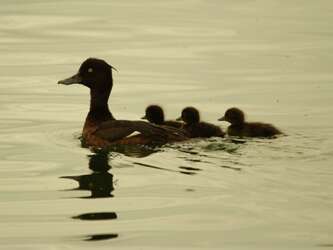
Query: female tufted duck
101, 129
195, 128
155, 114
239, 127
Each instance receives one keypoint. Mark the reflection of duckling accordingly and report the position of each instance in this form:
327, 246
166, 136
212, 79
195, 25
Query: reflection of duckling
239, 127
195, 127
101, 129
155, 114
100, 182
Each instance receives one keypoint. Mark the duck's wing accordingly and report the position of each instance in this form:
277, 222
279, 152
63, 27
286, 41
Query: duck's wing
119, 129
114, 130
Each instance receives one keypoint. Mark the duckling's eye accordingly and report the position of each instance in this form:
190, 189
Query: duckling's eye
90, 70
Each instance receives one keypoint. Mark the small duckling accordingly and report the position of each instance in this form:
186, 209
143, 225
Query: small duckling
155, 114
239, 127
195, 127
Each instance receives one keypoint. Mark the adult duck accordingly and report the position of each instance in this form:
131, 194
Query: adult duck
101, 129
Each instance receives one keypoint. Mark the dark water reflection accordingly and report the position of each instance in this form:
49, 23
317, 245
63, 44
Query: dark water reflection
97, 216
209, 153
100, 184
137, 151
96, 237
187, 172
100, 181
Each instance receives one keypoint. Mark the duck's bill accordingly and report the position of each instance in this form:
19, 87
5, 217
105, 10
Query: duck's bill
71, 80
221, 119
144, 117
179, 119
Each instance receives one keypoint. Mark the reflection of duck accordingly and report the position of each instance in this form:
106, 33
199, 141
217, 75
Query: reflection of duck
155, 114
97, 216
96, 237
239, 127
100, 182
101, 129
195, 127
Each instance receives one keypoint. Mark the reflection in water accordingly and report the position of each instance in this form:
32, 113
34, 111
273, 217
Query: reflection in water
96, 237
206, 153
229, 145
137, 151
232, 168
165, 169
97, 216
190, 168
100, 182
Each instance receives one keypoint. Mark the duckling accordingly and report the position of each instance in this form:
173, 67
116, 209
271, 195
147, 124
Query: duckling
239, 127
155, 114
101, 129
195, 127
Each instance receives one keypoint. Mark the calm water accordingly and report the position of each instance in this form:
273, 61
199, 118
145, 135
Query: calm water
271, 58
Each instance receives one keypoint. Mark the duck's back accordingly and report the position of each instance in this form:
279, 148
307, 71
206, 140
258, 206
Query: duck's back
121, 132
204, 129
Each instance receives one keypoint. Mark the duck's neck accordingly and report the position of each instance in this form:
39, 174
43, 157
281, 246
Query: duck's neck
99, 109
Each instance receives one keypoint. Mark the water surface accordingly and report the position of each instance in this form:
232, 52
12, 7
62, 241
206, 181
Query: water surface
271, 58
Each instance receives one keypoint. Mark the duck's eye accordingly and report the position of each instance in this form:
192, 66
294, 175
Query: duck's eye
90, 70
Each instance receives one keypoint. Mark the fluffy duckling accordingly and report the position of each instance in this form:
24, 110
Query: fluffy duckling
239, 127
155, 114
195, 127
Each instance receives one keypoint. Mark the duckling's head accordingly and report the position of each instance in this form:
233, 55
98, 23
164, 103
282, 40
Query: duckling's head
234, 115
154, 114
93, 73
190, 115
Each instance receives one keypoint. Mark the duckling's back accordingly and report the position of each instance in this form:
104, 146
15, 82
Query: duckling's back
204, 129
254, 129
259, 129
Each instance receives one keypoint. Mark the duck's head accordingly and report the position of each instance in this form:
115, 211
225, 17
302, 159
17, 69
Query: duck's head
190, 115
93, 73
154, 114
234, 115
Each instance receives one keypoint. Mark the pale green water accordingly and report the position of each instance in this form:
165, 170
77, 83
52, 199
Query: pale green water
271, 58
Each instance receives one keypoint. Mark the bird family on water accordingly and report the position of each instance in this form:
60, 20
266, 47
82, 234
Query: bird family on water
101, 129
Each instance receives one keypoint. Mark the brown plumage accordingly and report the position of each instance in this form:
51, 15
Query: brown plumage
239, 127
101, 129
195, 127
155, 114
